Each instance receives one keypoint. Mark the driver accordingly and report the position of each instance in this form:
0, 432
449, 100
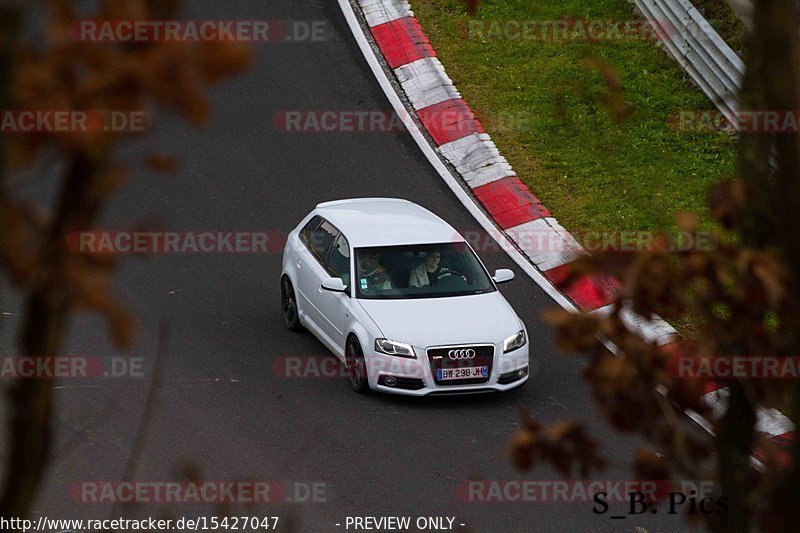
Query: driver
373, 275
427, 272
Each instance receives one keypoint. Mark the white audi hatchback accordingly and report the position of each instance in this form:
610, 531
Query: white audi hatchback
401, 298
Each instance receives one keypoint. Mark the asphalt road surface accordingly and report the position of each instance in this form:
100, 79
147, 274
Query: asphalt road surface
223, 412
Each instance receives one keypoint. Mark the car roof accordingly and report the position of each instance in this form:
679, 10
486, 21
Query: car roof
386, 222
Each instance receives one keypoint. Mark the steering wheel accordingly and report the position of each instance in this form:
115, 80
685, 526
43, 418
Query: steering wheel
449, 277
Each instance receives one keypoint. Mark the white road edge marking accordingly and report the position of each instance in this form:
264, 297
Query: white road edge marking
433, 158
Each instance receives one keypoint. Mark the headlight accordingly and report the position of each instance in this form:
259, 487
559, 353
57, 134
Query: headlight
398, 349
517, 340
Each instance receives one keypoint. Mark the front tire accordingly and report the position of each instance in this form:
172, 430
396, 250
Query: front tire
291, 318
356, 366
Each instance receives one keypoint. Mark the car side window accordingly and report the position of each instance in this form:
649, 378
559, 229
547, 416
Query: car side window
322, 241
339, 261
308, 229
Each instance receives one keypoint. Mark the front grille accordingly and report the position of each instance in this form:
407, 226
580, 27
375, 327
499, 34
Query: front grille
439, 358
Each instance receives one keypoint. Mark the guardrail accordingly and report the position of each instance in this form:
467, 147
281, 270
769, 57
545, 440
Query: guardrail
698, 48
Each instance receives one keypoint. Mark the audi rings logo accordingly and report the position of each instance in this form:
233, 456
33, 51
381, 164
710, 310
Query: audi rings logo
465, 353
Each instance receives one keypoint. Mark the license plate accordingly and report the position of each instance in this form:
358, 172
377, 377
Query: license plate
468, 372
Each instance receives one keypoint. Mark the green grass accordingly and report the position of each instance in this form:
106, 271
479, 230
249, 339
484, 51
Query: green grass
593, 172
724, 21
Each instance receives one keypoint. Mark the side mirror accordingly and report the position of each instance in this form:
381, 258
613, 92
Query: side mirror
334, 285
502, 275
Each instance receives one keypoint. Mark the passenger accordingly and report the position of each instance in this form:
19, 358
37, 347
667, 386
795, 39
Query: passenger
372, 274
427, 272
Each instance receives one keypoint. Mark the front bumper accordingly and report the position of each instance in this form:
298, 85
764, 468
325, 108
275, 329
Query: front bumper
414, 377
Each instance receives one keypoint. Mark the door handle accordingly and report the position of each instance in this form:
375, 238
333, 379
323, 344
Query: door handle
298, 263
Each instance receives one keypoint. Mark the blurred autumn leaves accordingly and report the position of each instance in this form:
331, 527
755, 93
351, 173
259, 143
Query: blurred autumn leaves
67, 74
741, 303
62, 73
565, 445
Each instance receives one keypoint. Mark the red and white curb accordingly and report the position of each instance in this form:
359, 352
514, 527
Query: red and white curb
510, 212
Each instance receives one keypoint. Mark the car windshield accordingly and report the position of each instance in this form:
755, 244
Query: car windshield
420, 271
